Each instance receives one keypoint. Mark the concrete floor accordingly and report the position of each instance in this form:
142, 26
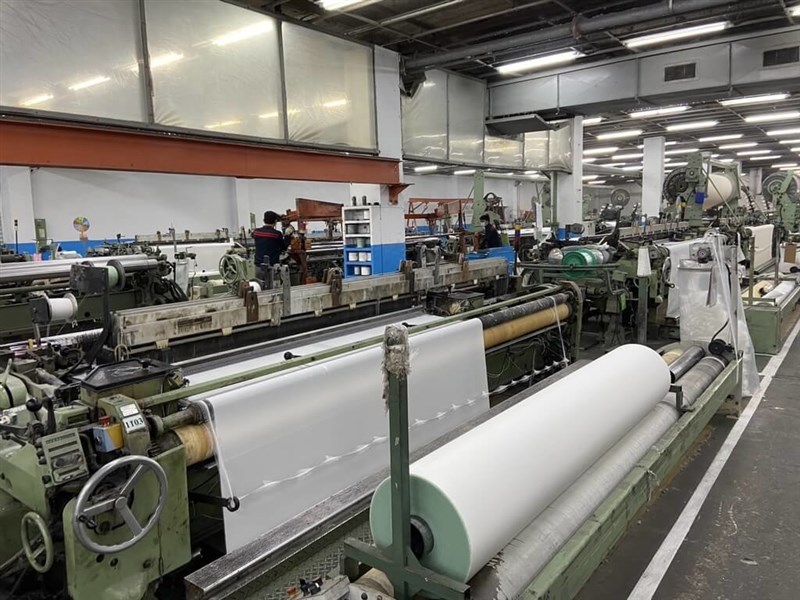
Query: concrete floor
745, 543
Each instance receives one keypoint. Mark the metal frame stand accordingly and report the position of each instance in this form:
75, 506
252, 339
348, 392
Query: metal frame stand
398, 562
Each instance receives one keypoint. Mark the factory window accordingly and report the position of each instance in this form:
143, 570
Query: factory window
79, 58
781, 56
330, 96
678, 72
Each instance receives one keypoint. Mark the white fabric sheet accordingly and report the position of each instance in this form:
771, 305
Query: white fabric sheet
678, 251
288, 442
763, 239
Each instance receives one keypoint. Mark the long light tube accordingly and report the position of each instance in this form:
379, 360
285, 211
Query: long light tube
675, 34
754, 99
539, 62
692, 125
655, 112
618, 135
789, 115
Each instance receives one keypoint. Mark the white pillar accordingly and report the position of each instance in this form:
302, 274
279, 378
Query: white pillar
652, 176
569, 186
16, 204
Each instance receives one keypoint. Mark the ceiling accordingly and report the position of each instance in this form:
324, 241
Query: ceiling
420, 29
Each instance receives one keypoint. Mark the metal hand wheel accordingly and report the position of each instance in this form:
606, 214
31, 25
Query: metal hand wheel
116, 501
42, 540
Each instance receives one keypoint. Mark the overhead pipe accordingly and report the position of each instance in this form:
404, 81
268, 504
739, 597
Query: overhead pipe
579, 26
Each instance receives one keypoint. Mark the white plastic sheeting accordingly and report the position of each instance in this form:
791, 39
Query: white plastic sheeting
329, 89
287, 442
215, 67
78, 57
503, 151
425, 118
478, 491
537, 149
466, 113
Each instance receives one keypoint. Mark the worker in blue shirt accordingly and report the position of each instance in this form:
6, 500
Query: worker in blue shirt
269, 242
491, 236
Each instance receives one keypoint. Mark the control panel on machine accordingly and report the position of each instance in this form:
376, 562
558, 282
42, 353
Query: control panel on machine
64, 456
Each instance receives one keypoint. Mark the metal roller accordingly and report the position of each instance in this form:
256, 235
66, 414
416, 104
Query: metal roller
517, 328
681, 365
521, 310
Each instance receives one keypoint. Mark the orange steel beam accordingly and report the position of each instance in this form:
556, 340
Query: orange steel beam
38, 144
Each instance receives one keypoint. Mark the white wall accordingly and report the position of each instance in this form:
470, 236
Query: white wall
16, 204
130, 203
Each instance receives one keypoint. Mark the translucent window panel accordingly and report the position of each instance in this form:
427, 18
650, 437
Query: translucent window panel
77, 57
215, 67
329, 89
536, 149
560, 152
503, 151
466, 114
425, 118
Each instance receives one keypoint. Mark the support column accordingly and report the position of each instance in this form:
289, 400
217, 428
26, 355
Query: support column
568, 187
652, 176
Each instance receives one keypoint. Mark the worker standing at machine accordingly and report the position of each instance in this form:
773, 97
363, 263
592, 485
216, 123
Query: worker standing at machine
491, 236
269, 242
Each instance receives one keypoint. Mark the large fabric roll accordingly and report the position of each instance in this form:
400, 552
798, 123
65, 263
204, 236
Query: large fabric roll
721, 188
763, 242
781, 292
478, 491
285, 443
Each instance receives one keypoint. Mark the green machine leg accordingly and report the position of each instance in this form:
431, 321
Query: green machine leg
399, 563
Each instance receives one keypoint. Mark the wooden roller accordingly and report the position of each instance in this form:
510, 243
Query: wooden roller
197, 441
494, 336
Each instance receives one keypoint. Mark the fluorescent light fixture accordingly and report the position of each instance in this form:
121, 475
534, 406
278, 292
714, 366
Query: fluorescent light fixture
655, 112
220, 124
34, 100
590, 177
752, 152
789, 115
738, 145
721, 138
795, 11
789, 142
780, 132
603, 150
87, 83
692, 125
336, 103
539, 62
429, 84
426, 169
339, 4
627, 156
632, 168
670, 143
680, 151
590, 160
587, 122
789, 169
678, 164
244, 33
616, 164
598, 182
783, 165
464, 172
726, 160
795, 149
764, 157
619, 135
675, 34
754, 99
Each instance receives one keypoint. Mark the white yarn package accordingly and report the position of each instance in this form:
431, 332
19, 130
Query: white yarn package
287, 442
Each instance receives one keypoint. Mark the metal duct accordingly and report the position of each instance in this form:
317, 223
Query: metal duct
681, 365
580, 26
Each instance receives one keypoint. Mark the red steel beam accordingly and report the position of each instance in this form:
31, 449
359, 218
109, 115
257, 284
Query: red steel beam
38, 144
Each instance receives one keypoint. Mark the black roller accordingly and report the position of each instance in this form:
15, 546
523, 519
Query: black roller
522, 310
685, 361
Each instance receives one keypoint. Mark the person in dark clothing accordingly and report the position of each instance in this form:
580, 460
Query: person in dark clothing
491, 236
269, 241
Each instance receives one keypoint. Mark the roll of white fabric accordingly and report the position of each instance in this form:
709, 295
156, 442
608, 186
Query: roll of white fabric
285, 443
478, 491
719, 190
781, 292
763, 242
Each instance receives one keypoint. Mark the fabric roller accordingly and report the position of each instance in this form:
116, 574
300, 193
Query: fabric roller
522, 460
720, 189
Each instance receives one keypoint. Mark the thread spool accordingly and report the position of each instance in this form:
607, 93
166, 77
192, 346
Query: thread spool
62, 309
